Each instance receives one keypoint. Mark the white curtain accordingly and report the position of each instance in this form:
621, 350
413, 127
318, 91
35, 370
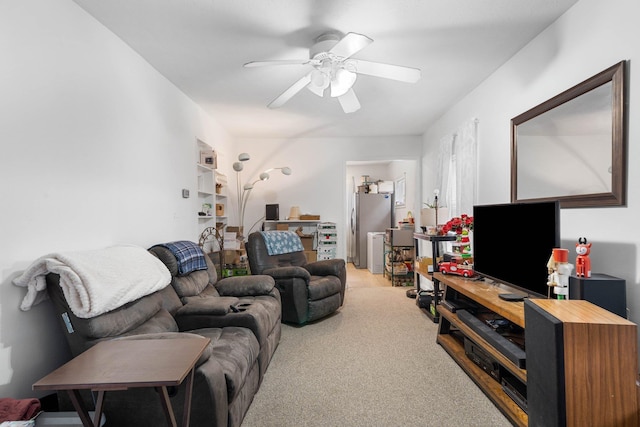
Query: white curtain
444, 172
457, 168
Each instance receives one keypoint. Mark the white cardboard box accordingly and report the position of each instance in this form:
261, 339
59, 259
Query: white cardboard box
232, 244
385, 186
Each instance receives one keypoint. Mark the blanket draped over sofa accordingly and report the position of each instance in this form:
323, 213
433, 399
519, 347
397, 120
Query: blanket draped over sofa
281, 242
96, 281
188, 254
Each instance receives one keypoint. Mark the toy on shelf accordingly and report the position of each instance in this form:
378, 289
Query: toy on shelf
559, 271
583, 262
455, 266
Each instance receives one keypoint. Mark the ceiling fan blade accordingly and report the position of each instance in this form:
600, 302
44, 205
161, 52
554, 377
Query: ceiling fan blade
293, 89
349, 101
387, 71
277, 62
350, 45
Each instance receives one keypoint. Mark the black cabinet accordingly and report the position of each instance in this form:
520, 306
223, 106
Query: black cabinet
603, 290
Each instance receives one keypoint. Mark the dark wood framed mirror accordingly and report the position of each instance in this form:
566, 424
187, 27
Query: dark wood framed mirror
572, 148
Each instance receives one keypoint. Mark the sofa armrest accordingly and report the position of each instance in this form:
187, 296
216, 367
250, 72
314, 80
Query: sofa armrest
244, 286
217, 306
288, 272
327, 267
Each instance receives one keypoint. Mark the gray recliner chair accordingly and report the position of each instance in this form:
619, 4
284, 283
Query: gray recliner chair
309, 291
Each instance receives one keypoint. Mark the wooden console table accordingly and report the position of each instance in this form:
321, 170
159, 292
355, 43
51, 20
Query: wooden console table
124, 364
581, 360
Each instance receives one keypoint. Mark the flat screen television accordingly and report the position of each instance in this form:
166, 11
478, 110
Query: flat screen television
512, 243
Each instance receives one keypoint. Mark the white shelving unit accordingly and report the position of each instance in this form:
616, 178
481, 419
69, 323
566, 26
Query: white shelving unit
221, 190
327, 240
207, 197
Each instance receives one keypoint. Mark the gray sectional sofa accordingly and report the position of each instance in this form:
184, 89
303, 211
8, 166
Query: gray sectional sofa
241, 316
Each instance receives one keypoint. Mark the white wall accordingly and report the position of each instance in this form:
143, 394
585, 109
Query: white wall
319, 173
589, 38
96, 147
409, 170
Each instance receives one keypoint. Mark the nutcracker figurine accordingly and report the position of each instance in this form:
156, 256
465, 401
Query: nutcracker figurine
559, 271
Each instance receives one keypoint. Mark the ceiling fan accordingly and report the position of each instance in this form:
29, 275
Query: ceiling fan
333, 67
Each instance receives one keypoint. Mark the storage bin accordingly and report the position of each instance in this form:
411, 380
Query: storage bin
66, 419
327, 249
327, 226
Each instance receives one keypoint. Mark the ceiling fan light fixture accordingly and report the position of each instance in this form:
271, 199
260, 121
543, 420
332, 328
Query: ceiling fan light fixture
319, 82
342, 81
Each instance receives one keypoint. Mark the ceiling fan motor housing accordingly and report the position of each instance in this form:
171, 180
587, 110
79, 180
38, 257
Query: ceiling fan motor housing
323, 45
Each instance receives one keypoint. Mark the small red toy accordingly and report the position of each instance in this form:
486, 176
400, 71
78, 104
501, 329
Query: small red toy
583, 262
453, 267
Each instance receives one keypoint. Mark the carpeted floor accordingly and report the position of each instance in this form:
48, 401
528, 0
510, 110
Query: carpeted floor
374, 363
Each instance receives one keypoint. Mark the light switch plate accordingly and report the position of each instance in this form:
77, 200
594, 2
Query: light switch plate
185, 193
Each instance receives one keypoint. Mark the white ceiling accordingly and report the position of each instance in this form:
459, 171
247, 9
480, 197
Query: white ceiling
201, 45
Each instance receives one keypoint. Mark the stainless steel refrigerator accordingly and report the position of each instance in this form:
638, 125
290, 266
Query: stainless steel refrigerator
371, 212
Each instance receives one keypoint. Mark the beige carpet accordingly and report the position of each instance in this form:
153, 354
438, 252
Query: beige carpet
374, 363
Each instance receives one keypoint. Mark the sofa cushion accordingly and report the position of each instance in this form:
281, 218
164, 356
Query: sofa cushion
191, 284
260, 260
236, 350
170, 300
123, 320
243, 286
323, 286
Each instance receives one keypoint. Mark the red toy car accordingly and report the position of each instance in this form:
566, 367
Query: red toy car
452, 267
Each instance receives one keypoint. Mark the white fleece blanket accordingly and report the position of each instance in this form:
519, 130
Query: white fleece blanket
96, 281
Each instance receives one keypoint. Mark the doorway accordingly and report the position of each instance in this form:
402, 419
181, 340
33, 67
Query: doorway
387, 172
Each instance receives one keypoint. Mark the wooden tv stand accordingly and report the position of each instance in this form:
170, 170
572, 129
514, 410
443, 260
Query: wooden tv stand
582, 324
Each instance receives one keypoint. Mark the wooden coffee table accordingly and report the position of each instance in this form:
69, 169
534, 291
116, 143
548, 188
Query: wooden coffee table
124, 364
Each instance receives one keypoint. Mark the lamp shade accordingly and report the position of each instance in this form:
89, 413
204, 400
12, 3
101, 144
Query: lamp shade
319, 82
342, 81
294, 212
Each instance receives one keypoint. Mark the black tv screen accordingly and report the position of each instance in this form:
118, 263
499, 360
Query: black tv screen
512, 243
